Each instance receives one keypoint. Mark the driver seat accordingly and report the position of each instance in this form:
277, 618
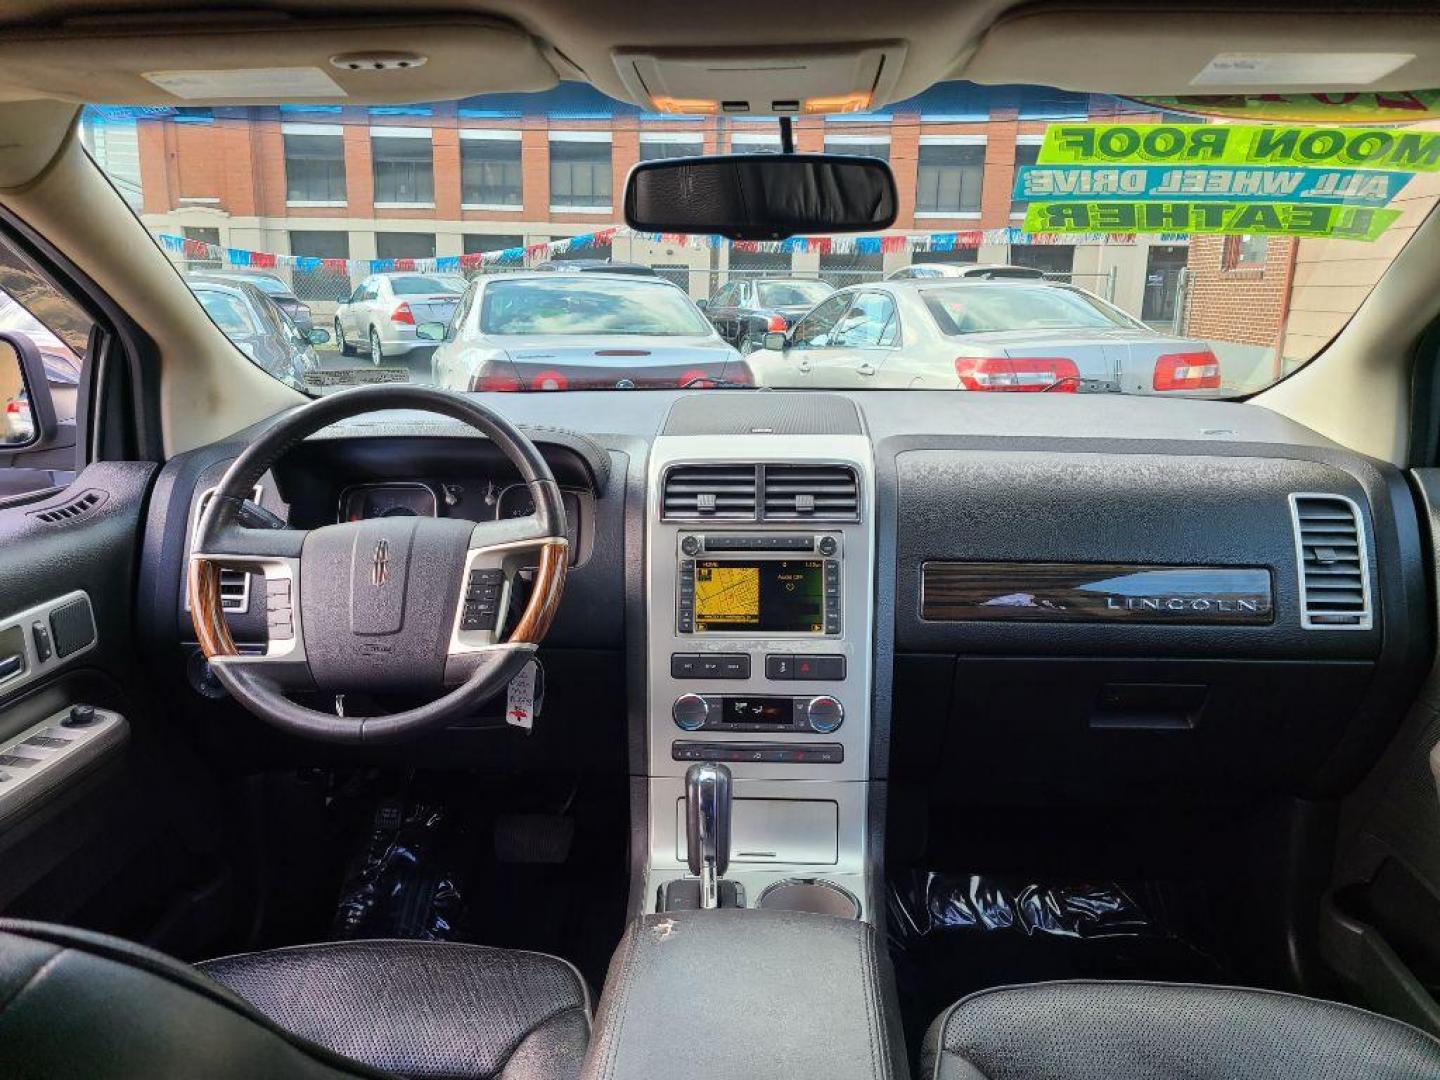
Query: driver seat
79, 1004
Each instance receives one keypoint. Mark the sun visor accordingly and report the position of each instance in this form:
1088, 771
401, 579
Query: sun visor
249, 61
1215, 52
762, 81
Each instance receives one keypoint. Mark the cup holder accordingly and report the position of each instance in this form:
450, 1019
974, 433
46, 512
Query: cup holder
810, 895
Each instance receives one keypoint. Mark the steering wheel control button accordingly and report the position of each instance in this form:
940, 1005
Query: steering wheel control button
779, 667
690, 712
824, 714
79, 716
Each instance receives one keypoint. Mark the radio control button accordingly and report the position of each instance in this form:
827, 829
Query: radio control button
684, 665
690, 712
779, 668
827, 545
709, 668
690, 545
735, 667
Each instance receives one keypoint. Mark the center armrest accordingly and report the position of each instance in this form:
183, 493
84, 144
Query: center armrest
748, 994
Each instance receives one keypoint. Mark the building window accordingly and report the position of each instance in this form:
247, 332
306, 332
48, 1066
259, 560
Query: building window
321, 284
1025, 154
1056, 261
1246, 252
404, 168
404, 245
479, 243
204, 236
490, 173
314, 165
949, 178
859, 145
579, 174
664, 145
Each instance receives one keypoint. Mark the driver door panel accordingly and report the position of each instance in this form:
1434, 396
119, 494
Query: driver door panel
96, 799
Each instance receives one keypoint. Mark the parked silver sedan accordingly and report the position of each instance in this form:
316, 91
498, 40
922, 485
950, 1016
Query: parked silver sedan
968, 334
380, 317
546, 331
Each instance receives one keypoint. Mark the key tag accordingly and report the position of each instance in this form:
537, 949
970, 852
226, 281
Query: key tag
525, 695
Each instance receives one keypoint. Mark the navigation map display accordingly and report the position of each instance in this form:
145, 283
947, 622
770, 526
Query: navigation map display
767, 595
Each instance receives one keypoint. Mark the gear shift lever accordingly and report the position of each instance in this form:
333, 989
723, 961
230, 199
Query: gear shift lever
707, 827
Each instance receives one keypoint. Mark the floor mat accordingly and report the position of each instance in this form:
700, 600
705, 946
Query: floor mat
952, 934
537, 864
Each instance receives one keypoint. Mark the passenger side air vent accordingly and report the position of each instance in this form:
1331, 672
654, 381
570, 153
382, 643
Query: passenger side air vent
811, 493
1334, 573
79, 507
719, 492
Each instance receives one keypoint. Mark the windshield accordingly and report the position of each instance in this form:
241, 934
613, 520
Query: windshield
1216, 229
979, 309
791, 293
588, 306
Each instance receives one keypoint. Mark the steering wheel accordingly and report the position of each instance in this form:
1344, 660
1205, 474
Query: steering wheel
399, 604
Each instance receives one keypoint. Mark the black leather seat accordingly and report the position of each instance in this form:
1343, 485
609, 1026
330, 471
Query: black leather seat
1163, 1031
76, 1004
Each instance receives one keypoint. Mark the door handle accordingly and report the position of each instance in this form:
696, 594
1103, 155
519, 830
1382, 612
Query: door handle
805, 366
11, 665
866, 368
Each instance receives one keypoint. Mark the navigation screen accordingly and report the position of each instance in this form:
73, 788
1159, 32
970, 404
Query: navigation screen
779, 595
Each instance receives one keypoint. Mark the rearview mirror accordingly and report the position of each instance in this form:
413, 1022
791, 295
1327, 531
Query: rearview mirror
318, 336
430, 331
775, 341
761, 196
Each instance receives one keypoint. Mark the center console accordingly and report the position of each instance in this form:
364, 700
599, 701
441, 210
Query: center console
760, 577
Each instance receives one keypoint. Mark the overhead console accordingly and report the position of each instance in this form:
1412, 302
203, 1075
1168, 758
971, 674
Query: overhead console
1147, 623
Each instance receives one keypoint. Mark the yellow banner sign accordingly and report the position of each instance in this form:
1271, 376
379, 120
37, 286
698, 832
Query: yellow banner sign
1235, 218
1241, 144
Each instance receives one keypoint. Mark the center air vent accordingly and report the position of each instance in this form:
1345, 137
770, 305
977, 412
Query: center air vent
718, 492
811, 493
1334, 576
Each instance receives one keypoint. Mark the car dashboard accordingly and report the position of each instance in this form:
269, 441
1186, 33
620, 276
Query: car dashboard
1030, 600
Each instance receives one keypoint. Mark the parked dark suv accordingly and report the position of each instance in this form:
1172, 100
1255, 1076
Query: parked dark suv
745, 311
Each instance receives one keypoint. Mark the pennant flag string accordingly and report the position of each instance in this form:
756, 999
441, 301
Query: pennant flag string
533, 254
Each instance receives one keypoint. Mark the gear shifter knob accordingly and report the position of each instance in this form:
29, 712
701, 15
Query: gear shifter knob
707, 826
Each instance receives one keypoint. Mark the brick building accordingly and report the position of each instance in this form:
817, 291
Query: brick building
507, 170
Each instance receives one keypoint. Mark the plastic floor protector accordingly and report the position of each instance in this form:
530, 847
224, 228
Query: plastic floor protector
952, 934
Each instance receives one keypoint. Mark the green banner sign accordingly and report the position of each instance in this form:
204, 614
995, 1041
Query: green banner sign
1241, 144
1236, 218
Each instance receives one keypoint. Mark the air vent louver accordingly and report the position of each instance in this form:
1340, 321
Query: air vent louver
711, 492
811, 493
1334, 577
80, 506
234, 584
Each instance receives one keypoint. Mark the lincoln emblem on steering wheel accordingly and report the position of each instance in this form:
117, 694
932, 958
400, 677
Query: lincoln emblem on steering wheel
382, 563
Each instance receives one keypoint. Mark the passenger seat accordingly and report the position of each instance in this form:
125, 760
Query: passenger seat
1164, 1031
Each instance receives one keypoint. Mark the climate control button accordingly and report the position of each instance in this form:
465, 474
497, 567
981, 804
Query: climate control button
824, 714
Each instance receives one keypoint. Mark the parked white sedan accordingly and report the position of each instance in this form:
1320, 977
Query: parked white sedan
547, 331
380, 317
967, 334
